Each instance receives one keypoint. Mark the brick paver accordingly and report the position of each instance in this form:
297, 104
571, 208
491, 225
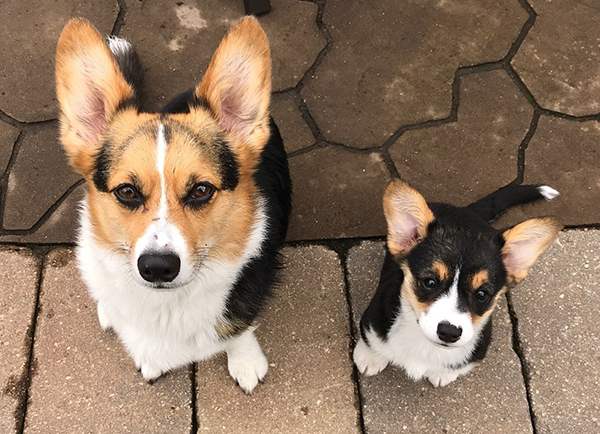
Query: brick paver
18, 289
557, 307
305, 336
491, 398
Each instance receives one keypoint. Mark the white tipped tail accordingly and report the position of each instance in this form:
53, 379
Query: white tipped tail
548, 192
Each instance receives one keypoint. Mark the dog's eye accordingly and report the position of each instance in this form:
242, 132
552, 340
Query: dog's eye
429, 283
128, 195
481, 296
200, 194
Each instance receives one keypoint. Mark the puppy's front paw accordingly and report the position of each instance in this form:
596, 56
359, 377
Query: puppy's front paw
150, 373
368, 361
442, 379
248, 372
103, 318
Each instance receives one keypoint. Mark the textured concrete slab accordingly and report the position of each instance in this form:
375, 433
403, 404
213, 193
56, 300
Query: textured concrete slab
28, 36
557, 307
8, 137
295, 132
39, 177
60, 227
84, 381
393, 66
18, 289
337, 194
558, 60
465, 160
304, 333
176, 41
491, 398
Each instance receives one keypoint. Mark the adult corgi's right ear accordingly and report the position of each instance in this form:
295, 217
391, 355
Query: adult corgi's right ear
407, 216
90, 88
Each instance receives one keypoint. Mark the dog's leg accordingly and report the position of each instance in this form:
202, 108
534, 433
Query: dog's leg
368, 361
103, 317
246, 362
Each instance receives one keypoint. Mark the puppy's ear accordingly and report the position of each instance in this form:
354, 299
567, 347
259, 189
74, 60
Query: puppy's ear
525, 242
407, 216
90, 88
237, 83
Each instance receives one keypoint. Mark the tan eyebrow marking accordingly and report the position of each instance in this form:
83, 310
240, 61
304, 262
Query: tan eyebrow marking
479, 279
440, 269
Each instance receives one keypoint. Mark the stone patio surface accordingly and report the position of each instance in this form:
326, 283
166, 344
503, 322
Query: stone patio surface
457, 97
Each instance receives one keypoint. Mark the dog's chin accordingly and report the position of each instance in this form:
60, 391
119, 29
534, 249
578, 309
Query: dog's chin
161, 286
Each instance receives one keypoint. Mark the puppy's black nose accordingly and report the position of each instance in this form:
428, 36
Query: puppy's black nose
159, 268
448, 333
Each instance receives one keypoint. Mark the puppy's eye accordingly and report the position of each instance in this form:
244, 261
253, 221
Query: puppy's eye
200, 194
481, 296
128, 195
429, 283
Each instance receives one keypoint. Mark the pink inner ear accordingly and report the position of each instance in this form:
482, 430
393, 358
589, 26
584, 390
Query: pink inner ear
405, 231
91, 112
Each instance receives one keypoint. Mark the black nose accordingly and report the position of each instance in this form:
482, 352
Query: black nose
159, 268
448, 333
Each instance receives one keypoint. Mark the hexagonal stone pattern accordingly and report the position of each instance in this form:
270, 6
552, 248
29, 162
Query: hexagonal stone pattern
295, 132
61, 226
28, 36
304, 333
557, 307
39, 177
565, 155
393, 66
176, 40
18, 289
465, 160
491, 398
337, 194
558, 60
84, 380
8, 136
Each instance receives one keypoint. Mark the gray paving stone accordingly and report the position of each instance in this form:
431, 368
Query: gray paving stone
462, 161
8, 136
28, 36
295, 132
557, 307
61, 226
337, 194
18, 288
39, 177
392, 66
84, 381
304, 333
176, 40
558, 60
491, 398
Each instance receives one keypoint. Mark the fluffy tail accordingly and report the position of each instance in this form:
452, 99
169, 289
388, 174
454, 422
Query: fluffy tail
128, 61
494, 204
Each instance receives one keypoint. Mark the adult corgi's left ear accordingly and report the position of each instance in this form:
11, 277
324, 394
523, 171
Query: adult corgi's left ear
525, 242
237, 83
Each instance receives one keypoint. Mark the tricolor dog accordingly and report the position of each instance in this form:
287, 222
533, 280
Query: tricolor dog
186, 209
445, 269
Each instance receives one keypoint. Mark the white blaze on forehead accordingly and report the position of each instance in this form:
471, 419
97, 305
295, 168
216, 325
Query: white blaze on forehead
161, 152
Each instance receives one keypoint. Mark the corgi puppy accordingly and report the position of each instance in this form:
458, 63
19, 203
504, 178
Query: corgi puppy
185, 209
444, 270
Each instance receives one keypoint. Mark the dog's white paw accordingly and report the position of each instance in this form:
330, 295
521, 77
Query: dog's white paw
246, 362
441, 379
368, 361
103, 318
149, 372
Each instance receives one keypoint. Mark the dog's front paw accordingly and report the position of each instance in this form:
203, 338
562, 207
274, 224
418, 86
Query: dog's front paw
442, 379
103, 318
248, 372
368, 361
149, 372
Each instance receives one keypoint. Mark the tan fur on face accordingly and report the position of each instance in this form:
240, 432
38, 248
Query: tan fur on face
441, 270
477, 319
479, 279
408, 293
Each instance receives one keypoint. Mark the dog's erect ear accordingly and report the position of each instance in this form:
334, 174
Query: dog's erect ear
407, 216
525, 242
237, 83
90, 88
